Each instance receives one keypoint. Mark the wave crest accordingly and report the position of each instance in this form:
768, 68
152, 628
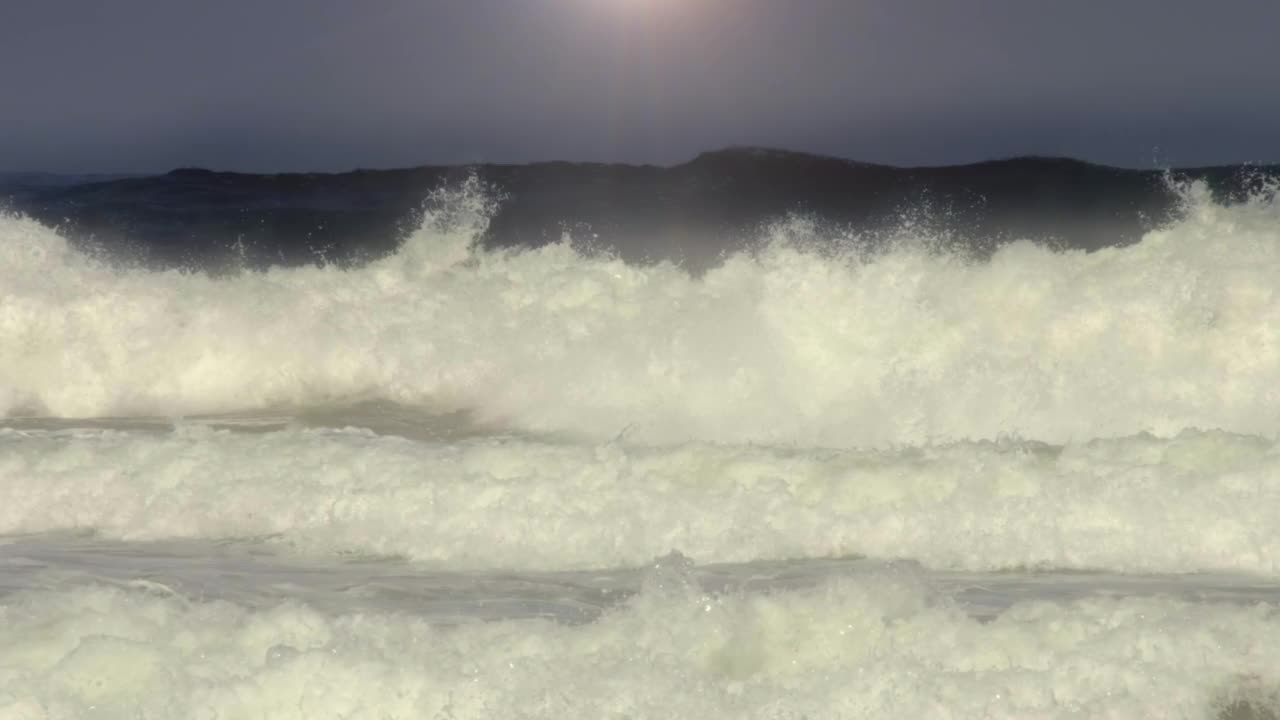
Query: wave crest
787, 343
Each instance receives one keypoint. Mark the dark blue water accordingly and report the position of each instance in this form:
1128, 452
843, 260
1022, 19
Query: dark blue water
692, 213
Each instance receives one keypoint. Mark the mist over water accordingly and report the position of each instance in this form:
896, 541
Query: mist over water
486, 416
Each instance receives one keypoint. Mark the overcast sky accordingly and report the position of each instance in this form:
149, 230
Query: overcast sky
270, 85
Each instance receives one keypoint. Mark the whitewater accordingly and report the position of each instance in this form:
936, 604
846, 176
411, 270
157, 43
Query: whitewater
822, 479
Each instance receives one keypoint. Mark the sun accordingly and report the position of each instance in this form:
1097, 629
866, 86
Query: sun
660, 11
646, 7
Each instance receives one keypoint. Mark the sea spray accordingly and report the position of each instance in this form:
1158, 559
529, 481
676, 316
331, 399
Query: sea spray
785, 344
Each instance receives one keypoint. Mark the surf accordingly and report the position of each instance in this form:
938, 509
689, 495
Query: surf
785, 343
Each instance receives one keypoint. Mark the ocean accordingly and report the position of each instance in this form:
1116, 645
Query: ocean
807, 475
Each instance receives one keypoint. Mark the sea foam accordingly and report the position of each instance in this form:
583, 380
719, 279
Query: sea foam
1198, 501
876, 647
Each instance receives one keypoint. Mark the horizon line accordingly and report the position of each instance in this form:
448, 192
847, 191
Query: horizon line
725, 150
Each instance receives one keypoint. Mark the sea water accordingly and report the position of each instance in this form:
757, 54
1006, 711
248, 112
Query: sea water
810, 482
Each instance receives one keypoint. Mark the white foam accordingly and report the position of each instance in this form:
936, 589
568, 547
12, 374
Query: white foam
787, 345
1200, 501
873, 648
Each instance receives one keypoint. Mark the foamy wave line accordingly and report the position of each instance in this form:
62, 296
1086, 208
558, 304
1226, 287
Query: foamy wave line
1199, 501
873, 648
787, 344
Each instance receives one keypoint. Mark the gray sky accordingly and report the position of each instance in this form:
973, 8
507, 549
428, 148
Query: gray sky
147, 85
